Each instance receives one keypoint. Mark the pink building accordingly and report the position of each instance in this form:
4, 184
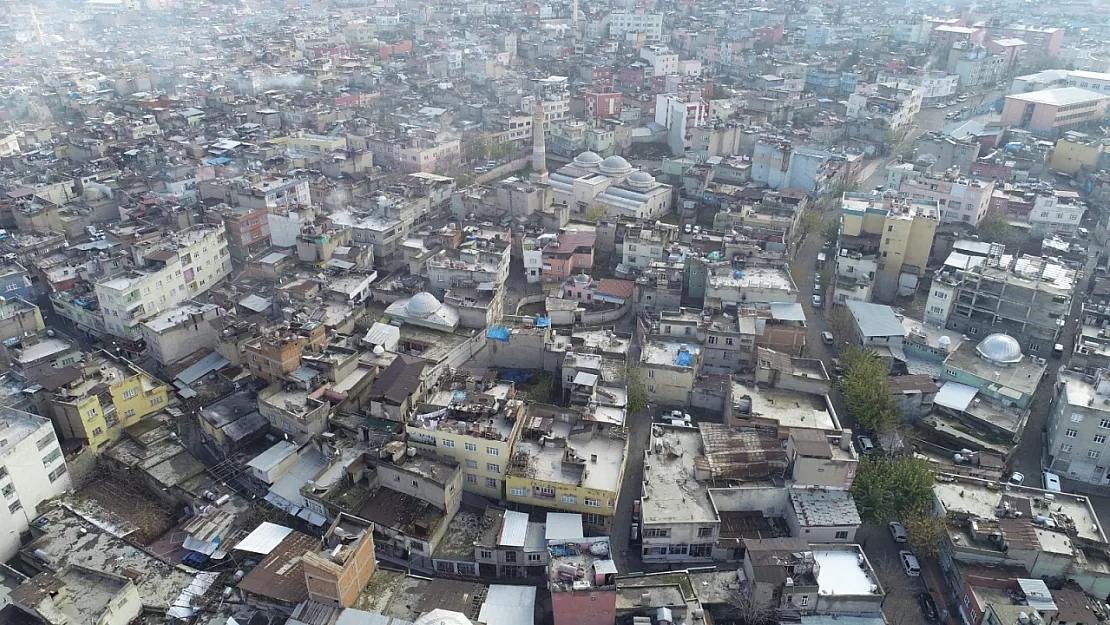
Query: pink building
569, 254
1044, 40
958, 198
1051, 112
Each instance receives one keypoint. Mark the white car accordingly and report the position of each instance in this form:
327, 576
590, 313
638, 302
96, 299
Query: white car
942, 106
910, 563
688, 229
898, 532
817, 302
1052, 482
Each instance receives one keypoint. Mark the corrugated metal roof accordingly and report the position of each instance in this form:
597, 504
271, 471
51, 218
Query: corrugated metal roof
564, 526
508, 605
876, 319
1037, 595
513, 529
264, 538
272, 457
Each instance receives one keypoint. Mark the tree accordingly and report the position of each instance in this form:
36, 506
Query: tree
634, 386
866, 390
995, 228
810, 222
476, 150
830, 232
886, 487
500, 151
748, 609
463, 181
596, 211
925, 532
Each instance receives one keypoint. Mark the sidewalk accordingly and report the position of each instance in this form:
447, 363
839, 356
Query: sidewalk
935, 584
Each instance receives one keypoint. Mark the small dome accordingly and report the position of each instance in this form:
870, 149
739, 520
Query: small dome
581, 279
641, 179
422, 305
1001, 349
587, 159
616, 166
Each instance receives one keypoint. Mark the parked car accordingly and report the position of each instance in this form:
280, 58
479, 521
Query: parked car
928, 606
697, 229
865, 444
827, 337
817, 302
909, 563
688, 228
816, 287
898, 532
942, 106
1051, 482
1017, 479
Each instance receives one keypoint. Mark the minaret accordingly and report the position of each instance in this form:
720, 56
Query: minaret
539, 148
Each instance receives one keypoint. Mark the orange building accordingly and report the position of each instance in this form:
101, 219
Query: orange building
336, 574
571, 253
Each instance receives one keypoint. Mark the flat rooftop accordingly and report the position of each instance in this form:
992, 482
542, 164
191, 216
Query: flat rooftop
824, 507
845, 573
754, 278
1062, 96
1022, 376
672, 354
670, 492
586, 440
789, 408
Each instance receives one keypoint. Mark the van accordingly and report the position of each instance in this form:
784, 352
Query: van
910, 563
1058, 350
1051, 482
1083, 233
827, 337
821, 259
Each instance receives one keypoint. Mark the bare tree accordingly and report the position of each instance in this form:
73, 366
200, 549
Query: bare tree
747, 608
899, 602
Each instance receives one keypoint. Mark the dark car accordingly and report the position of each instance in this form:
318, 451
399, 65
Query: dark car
928, 606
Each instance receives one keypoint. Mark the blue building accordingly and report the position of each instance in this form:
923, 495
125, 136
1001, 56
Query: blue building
15, 282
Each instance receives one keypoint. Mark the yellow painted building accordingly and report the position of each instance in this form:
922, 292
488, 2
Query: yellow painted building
107, 395
1073, 156
571, 467
904, 227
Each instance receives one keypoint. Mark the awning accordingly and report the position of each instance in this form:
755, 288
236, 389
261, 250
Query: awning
311, 517
955, 396
585, 379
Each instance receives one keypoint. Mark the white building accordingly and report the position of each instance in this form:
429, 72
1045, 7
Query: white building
180, 331
663, 61
623, 24
167, 273
32, 470
1058, 213
1094, 81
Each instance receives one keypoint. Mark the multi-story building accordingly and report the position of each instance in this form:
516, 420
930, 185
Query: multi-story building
337, 573
975, 65
957, 198
1057, 213
485, 261
670, 370
181, 331
602, 101
1023, 296
419, 150
1051, 112
884, 246
680, 115
780, 165
643, 246
1095, 81
1043, 39
18, 318
662, 60
568, 254
15, 281
176, 268
94, 404
1079, 426
564, 462
277, 352
32, 470
247, 229
650, 25
885, 111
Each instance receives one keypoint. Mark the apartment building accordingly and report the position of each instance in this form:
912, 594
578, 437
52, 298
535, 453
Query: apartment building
1079, 426
650, 25
886, 108
32, 470
884, 246
278, 352
958, 198
180, 266
420, 150
662, 60
1052, 112
568, 254
670, 370
181, 331
1095, 81
1059, 212
484, 261
94, 402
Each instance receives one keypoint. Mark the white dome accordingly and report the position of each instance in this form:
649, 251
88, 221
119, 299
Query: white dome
641, 179
616, 166
581, 279
587, 159
1002, 349
422, 305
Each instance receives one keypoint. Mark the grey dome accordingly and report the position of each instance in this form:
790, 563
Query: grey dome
422, 305
581, 279
616, 166
641, 179
587, 159
1002, 349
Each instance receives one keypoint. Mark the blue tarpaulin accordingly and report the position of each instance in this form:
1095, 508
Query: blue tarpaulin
683, 359
515, 375
543, 322
500, 334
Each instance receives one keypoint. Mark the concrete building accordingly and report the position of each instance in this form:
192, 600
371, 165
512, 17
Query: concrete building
670, 370
958, 198
884, 246
79, 595
1052, 112
18, 318
338, 572
650, 25
1079, 427
611, 183
32, 470
181, 331
1056, 213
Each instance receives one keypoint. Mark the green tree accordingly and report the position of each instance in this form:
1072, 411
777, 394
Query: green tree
464, 180
995, 228
886, 487
866, 390
810, 222
476, 150
925, 532
830, 232
632, 378
839, 322
596, 211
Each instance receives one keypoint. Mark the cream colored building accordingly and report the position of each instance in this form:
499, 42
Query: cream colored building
897, 233
167, 273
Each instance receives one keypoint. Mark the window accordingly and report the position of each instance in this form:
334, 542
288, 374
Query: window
91, 413
1076, 417
98, 431
131, 393
52, 456
533, 557
842, 535
712, 340
729, 340
470, 447
493, 468
651, 373
415, 484
130, 412
518, 492
472, 464
890, 228
705, 532
510, 556
471, 479
1065, 449
492, 451
448, 443
1104, 423
1099, 438
156, 401
571, 499
45, 440
3, 472
1071, 433
491, 482
651, 388
1093, 453
15, 506
803, 601
657, 533
9, 490
592, 503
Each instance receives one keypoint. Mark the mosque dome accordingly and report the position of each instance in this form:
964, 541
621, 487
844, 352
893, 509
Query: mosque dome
641, 179
1001, 349
587, 159
615, 166
423, 305
581, 279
